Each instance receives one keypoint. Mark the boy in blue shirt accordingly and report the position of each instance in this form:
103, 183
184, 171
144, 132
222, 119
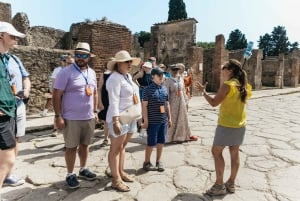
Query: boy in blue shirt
157, 118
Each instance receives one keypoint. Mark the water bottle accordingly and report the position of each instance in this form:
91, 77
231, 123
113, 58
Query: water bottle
248, 51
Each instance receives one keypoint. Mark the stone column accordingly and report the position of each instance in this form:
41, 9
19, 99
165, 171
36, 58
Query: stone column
280, 72
195, 63
295, 72
221, 55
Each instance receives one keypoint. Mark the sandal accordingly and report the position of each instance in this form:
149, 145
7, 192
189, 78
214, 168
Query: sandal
120, 186
104, 143
230, 187
216, 189
194, 138
127, 178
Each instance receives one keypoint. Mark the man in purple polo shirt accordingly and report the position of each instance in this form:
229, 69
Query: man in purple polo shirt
75, 102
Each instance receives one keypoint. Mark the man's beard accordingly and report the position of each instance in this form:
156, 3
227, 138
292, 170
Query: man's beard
81, 63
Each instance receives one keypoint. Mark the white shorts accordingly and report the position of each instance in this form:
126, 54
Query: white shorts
21, 120
126, 128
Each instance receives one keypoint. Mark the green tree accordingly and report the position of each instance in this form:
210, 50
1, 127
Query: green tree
275, 43
294, 46
206, 45
236, 40
177, 10
143, 37
265, 43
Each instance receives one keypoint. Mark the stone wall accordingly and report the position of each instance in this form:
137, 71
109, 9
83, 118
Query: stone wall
5, 12
170, 41
253, 66
36, 60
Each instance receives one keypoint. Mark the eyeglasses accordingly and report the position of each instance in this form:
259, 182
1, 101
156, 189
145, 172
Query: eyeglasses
130, 61
84, 56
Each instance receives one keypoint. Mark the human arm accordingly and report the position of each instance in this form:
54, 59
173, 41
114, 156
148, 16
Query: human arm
169, 114
100, 85
145, 114
140, 74
57, 98
26, 87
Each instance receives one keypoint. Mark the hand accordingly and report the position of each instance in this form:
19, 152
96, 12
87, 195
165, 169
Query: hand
145, 124
117, 127
201, 87
169, 123
25, 93
96, 117
60, 122
1, 113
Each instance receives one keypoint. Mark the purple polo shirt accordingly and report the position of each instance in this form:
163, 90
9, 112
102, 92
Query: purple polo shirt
76, 105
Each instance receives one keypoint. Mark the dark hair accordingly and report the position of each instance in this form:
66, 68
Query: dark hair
239, 74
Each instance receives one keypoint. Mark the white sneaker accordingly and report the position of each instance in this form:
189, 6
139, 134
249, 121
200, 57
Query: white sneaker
12, 180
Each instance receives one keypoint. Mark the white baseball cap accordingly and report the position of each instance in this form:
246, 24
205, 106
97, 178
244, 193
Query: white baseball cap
6, 27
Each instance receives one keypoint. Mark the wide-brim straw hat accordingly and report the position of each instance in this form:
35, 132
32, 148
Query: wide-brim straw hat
85, 48
122, 56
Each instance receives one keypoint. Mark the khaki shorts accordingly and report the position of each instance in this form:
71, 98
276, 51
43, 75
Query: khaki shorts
78, 132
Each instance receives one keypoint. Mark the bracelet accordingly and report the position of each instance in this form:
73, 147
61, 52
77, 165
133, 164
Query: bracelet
114, 122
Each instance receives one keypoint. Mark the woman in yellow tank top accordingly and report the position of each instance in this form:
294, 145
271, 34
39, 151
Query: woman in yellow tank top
232, 96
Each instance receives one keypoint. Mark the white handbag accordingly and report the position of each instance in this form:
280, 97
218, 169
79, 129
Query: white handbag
129, 114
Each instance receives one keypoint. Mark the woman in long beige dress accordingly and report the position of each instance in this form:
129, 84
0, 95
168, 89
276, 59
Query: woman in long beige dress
180, 130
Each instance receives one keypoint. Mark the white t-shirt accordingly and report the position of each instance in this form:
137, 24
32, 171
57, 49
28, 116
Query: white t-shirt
55, 72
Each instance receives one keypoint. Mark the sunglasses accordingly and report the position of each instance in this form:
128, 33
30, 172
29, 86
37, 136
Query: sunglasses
130, 61
225, 67
83, 56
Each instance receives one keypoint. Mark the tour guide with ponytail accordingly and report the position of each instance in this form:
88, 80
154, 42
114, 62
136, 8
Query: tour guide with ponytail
232, 95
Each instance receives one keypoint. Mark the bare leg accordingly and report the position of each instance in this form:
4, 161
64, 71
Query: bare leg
7, 160
159, 149
219, 163
83, 153
70, 156
148, 152
116, 147
235, 162
122, 154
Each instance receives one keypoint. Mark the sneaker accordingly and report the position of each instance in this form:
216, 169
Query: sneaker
72, 181
216, 189
12, 180
87, 174
160, 167
147, 166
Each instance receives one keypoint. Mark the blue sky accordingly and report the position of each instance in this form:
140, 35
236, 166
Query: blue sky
254, 18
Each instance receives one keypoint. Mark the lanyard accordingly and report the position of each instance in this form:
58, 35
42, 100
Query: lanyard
87, 73
4, 59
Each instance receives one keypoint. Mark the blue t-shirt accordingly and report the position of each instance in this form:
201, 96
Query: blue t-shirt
157, 96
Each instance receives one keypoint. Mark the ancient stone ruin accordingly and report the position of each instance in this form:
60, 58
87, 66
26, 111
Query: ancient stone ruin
171, 42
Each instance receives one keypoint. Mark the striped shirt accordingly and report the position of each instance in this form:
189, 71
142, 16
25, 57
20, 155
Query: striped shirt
157, 96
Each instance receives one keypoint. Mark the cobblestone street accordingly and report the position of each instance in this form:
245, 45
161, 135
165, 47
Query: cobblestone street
269, 170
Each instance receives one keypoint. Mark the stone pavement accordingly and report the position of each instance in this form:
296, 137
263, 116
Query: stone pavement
269, 170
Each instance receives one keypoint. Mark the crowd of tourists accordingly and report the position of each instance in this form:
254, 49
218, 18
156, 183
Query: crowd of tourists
155, 98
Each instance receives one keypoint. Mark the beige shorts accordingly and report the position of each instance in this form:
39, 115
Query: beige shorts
78, 132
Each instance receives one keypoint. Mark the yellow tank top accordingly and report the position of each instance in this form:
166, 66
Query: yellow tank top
232, 110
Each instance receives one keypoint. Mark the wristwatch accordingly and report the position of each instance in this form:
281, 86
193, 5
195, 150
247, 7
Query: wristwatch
57, 115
